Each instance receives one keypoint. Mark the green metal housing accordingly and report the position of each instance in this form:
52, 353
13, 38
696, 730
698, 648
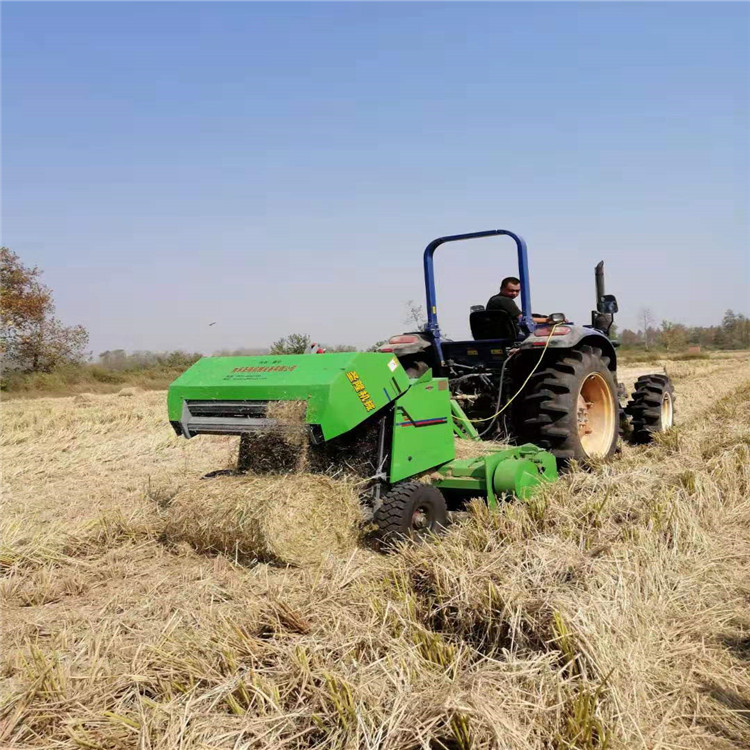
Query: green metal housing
343, 390
422, 428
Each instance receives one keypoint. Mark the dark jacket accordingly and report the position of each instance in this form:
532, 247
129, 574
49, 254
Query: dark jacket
499, 302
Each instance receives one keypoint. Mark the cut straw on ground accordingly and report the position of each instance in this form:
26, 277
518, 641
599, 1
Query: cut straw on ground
610, 612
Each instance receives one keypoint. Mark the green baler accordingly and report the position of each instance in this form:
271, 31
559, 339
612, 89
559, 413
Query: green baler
363, 412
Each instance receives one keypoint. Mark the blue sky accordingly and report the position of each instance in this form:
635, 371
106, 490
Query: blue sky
280, 167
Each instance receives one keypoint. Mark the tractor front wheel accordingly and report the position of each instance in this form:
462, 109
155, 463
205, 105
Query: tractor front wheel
570, 408
651, 408
411, 510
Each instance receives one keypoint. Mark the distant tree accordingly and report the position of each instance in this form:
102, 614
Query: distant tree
673, 335
697, 335
630, 338
340, 348
735, 331
415, 315
743, 332
294, 343
31, 338
647, 320
115, 359
119, 359
178, 358
706, 336
377, 345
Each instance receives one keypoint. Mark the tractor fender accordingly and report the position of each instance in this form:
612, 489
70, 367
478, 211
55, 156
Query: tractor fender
573, 339
420, 343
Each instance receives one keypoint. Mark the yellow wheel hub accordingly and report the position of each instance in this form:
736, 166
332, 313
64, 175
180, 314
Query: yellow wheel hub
667, 412
597, 415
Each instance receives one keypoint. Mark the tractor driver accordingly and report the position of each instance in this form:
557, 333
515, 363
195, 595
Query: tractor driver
510, 288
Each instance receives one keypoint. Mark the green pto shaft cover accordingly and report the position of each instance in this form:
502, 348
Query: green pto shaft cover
518, 471
342, 389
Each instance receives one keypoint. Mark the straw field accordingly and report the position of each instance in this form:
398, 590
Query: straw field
145, 607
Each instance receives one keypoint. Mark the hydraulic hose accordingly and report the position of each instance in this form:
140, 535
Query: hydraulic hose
523, 385
499, 394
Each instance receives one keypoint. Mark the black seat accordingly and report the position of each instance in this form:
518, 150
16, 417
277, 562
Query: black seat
492, 324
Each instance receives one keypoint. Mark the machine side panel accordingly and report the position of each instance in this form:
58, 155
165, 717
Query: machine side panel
422, 429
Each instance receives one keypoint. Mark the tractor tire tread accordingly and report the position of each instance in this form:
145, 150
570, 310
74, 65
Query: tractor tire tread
644, 407
545, 414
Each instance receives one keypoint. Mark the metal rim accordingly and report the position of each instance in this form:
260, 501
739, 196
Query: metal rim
667, 411
420, 518
596, 415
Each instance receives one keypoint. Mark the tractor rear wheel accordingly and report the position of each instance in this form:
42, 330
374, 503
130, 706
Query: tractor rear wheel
570, 408
411, 510
651, 407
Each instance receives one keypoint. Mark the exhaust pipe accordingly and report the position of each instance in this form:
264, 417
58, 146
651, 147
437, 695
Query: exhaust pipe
602, 318
599, 278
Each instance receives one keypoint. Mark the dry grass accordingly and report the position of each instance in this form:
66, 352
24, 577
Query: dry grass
86, 379
139, 612
477, 449
294, 519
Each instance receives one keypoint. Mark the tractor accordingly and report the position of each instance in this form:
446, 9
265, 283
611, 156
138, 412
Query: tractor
392, 417
553, 384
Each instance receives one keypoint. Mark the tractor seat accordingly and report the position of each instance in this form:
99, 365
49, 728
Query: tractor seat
492, 324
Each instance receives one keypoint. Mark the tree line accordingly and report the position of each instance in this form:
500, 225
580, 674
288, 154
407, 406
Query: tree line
33, 340
732, 333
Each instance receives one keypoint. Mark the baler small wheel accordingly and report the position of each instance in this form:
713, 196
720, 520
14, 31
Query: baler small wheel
651, 407
411, 510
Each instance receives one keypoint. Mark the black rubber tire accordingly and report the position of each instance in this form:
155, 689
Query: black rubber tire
547, 414
395, 518
645, 407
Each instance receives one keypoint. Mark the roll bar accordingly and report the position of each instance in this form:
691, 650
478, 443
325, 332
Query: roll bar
429, 277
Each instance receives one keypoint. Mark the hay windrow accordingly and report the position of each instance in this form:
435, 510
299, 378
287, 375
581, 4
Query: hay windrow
296, 519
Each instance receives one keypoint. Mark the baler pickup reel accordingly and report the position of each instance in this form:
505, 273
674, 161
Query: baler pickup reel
227, 418
360, 412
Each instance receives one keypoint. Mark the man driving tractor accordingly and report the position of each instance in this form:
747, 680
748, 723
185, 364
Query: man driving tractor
510, 288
